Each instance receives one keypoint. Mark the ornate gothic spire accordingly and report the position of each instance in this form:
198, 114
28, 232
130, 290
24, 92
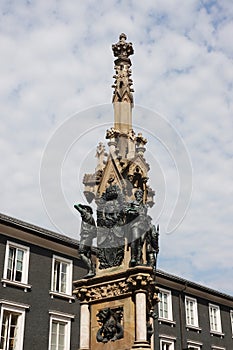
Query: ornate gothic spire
122, 85
122, 95
123, 160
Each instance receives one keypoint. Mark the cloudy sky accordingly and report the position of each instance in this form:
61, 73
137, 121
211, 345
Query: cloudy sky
56, 75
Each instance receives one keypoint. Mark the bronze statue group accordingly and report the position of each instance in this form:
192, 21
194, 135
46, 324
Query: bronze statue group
117, 220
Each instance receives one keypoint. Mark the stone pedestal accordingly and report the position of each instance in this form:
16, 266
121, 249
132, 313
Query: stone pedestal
131, 293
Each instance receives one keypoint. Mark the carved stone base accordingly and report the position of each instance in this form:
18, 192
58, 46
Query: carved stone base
132, 292
140, 345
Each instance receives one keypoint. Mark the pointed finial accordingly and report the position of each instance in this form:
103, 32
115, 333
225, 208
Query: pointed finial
122, 36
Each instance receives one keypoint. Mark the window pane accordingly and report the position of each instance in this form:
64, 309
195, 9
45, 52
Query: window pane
11, 257
58, 336
63, 277
19, 266
18, 276
9, 274
54, 336
53, 339
4, 330
11, 252
163, 305
64, 268
20, 254
61, 340
56, 276
54, 327
63, 283
62, 329
10, 263
9, 330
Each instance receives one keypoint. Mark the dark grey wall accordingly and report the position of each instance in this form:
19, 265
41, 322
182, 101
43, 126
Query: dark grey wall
37, 317
180, 331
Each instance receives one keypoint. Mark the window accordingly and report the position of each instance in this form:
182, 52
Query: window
194, 347
191, 312
215, 319
165, 305
61, 275
16, 265
12, 325
166, 344
9, 329
60, 327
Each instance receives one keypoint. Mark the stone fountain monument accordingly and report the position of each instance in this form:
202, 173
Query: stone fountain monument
118, 293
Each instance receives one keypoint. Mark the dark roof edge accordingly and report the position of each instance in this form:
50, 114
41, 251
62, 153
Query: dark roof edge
38, 230
195, 285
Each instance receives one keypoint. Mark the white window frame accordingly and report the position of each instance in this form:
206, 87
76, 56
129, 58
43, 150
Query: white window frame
24, 280
218, 328
169, 305
193, 345
195, 313
20, 310
69, 263
65, 319
167, 341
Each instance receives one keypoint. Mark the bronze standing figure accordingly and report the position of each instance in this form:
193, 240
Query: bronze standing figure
87, 234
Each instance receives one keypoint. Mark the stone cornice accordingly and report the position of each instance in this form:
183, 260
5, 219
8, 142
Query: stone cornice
117, 285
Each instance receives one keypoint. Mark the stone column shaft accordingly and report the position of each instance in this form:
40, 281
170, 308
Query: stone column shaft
140, 342
84, 327
123, 116
141, 332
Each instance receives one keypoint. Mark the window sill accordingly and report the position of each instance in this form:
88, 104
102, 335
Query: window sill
193, 328
71, 298
24, 286
164, 320
218, 334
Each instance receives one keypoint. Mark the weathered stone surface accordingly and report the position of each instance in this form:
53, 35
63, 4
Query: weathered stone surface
120, 290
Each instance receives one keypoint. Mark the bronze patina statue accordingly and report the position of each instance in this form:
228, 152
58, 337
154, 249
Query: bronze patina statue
138, 225
88, 233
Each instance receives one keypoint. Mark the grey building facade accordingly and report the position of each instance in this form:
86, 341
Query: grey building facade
192, 316
38, 310
37, 267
